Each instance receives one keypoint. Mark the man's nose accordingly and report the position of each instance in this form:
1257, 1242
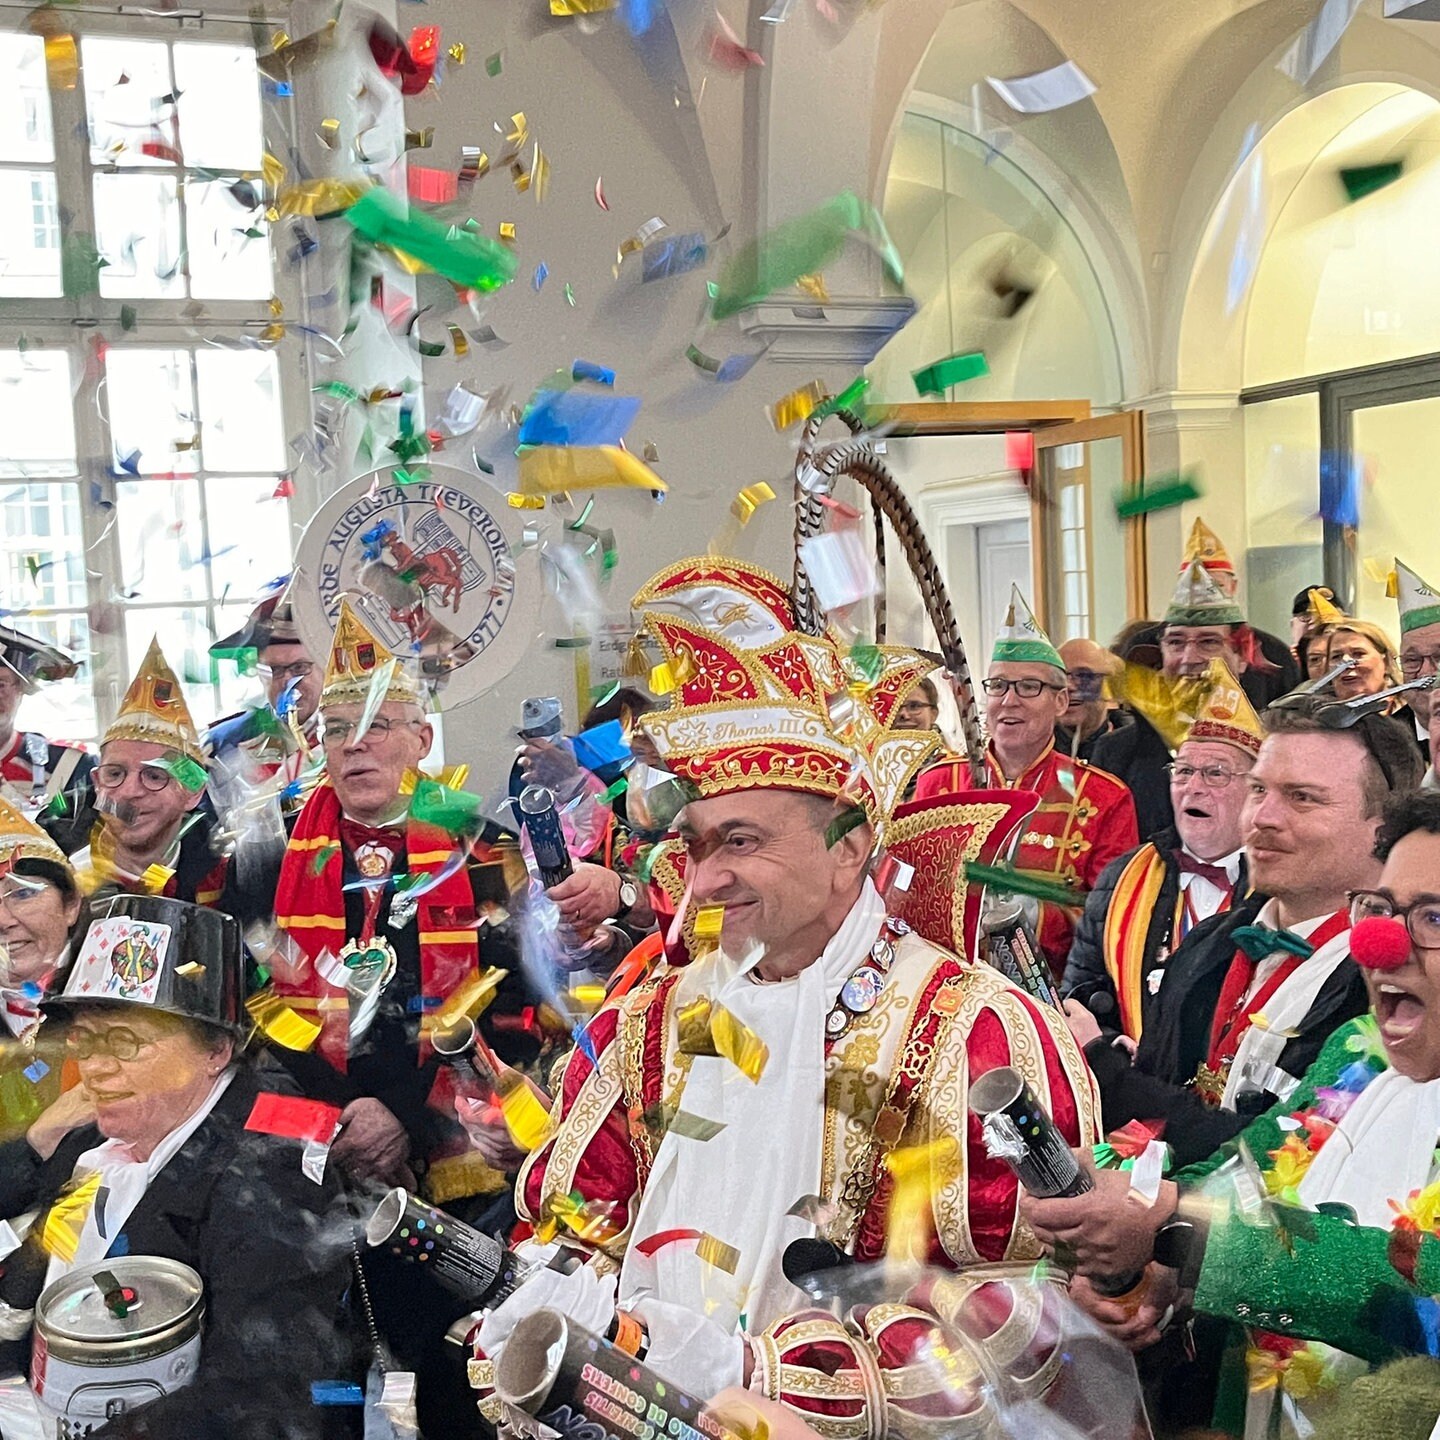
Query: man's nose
710, 874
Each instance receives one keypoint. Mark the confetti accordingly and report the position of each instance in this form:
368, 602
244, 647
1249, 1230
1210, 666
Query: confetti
492, 64
814, 287
935, 379
1313, 45
1016, 882
526, 1118
600, 199
335, 1392
1019, 449
848, 820
1053, 89
292, 1118
542, 273
60, 1235
674, 255
919, 1172
459, 253
318, 198
725, 49
749, 500
420, 139
580, 7
847, 399
282, 1024
553, 469
632, 244
577, 417
1365, 180
329, 133
1164, 492
791, 409
569, 294
588, 370
62, 67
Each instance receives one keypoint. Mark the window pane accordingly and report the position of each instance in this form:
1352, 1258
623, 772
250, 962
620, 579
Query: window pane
240, 407
44, 551
249, 536
64, 709
226, 260
162, 542
151, 403
185, 640
25, 132
29, 233
219, 106
137, 231
129, 102
37, 424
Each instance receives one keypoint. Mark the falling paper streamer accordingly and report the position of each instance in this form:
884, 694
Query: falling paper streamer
1163, 492
726, 50
457, 252
841, 569
936, 378
553, 469
919, 1173
633, 244
577, 417
750, 499
600, 199
1054, 89
674, 255
65, 1220
1363, 180
279, 1022
798, 405
1313, 45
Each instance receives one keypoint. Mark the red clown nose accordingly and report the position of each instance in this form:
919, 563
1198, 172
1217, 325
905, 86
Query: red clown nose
1380, 942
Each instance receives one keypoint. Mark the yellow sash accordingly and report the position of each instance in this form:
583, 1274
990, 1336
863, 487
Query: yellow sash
1127, 922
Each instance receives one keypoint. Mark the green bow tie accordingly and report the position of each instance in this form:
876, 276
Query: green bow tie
1259, 942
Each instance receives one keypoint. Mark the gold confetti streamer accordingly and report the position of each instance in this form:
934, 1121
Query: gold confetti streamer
273, 171
62, 62
420, 139
318, 197
716, 1252
749, 500
525, 1117
329, 133
457, 52
551, 469
709, 919
920, 1172
282, 1024
66, 1219
458, 342
791, 409
814, 286
469, 1001
739, 1044
507, 231
524, 502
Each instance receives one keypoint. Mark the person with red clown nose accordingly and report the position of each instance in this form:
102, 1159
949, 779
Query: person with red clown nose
1349, 1281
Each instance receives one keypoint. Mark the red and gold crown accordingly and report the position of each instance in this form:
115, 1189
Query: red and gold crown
758, 704
154, 709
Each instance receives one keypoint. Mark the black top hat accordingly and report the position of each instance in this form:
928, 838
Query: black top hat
162, 954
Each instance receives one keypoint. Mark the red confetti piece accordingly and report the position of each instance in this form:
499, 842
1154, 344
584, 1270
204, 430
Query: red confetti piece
1019, 450
600, 199
293, 1118
285, 489
433, 187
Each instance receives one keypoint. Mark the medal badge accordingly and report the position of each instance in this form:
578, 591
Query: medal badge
373, 962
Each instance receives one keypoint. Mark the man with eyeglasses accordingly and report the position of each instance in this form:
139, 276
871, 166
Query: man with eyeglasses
1149, 900
32, 767
282, 734
1085, 817
146, 829
1351, 1261
1252, 995
1419, 647
1090, 713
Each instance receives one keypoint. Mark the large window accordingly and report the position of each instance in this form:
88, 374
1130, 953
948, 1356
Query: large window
143, 442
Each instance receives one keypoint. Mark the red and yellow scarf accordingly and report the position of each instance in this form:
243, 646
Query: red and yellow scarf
310, 906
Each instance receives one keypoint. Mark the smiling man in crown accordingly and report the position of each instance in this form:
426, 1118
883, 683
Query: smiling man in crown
772, 1089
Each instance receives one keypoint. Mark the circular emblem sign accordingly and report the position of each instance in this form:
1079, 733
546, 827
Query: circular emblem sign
435, 568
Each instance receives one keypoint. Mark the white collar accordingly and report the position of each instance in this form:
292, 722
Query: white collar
1230, 863
1269, 917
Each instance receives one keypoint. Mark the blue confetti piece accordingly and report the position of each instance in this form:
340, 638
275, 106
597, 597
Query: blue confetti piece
674, 255
335, 1392
588, 370
36, 1071
31, 991
736, 367
638, 15
542, 271
418, 1003
575, 417
119, 1248
601, 745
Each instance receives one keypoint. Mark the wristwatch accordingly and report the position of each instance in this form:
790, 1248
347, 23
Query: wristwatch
1179, 1245
629, 894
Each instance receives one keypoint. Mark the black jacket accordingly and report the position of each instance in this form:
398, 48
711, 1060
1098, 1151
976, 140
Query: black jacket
273, 1251
1137, 755
1115, 720
1177, 1039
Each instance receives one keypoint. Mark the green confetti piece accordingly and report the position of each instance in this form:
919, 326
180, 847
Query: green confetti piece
1162, 493
492, 65
847, 399
1363, 180
954, 370
430, 349
127, 317
80, 266
802, 246
569, 295
869, 661
453, 811
1012, 882
573, 642
701, 360
322, 858
337, 390
610, 792
467, 257
848, 820
694, 1127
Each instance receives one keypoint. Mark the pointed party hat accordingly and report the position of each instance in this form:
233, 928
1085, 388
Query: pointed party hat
22, 839
154, 709
1226, 714
1205, 546
1021, 638
355, 655
1323, 611
1198, 600
1419, 604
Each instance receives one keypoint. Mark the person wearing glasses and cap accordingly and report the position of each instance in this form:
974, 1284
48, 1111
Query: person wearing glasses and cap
1419, 646
1149, 900
146, 828
1351, 1264
283, 733
1085, 818
32, 767
161, 1151
1252, 994
39, 905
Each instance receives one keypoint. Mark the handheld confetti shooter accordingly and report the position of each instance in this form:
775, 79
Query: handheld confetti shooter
1010, 948
574, 1382
547, 839
466, 1262
1018, 1130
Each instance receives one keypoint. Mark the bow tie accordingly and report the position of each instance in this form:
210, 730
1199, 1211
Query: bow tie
1259, 942
1217, 875
355, 833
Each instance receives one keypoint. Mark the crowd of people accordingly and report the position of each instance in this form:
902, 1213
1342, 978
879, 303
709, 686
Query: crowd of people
258, 977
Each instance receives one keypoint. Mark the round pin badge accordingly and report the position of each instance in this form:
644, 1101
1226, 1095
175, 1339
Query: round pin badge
862, 990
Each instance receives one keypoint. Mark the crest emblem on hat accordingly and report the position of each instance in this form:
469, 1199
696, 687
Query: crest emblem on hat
164, 692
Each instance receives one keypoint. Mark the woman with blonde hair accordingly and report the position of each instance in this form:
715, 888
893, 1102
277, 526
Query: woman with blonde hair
1376, 668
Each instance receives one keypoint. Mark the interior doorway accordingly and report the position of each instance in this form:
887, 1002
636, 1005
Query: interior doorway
1002, 559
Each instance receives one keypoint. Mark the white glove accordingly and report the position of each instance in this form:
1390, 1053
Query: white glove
585, 1295
690, 1351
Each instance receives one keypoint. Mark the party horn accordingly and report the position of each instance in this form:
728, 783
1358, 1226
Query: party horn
577, 1383
462, 1259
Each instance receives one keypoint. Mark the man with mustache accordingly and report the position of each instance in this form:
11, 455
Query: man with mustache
1205, 1064
1149, 900
1356, 1136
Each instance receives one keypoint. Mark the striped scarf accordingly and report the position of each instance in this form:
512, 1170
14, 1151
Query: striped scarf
310, 906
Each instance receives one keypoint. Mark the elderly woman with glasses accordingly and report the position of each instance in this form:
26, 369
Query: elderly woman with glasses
1374, 667
39, 904
166, 1145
